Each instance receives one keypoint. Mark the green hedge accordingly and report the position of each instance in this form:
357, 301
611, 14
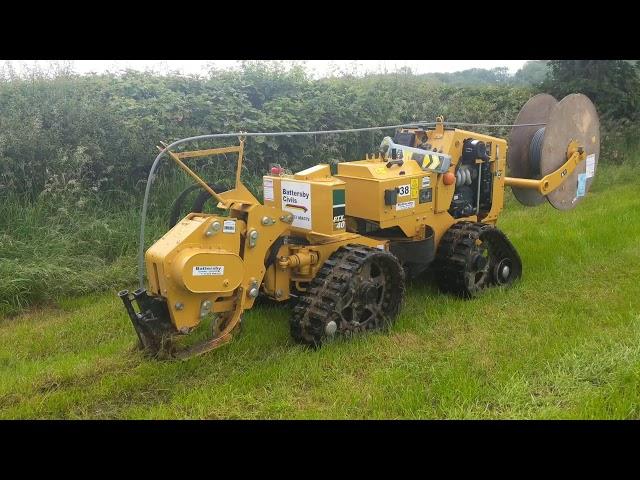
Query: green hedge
73, 134
78, 137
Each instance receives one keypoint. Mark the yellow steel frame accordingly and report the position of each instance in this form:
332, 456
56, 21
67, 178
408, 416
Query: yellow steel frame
238, 195
548, 183
299, 264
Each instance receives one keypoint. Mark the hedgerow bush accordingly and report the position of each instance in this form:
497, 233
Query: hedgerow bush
75, 152
71, 137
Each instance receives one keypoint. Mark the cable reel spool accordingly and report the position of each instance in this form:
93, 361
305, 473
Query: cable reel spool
535, 152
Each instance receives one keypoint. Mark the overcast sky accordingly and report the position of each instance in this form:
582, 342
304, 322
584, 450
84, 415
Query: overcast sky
318, 68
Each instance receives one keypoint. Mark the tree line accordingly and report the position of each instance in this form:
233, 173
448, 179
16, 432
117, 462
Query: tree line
67, 135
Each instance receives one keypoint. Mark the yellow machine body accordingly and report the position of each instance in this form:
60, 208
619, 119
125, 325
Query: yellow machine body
309, 197
214, 264
208, 257
417, 208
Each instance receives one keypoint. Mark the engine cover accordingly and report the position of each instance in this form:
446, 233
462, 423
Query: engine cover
207, 271
197, 260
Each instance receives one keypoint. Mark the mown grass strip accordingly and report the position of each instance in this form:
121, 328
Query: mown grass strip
562, 343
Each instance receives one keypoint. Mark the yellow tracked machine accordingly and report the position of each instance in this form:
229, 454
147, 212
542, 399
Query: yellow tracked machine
340, 246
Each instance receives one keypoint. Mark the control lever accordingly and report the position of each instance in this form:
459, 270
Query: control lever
397, 161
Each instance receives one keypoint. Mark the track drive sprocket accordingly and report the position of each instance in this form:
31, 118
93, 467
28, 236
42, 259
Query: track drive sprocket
357, 289
473, 256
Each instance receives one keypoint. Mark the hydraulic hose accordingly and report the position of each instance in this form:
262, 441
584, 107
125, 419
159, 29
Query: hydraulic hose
198, 203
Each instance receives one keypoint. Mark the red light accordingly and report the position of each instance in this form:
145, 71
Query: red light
449, 178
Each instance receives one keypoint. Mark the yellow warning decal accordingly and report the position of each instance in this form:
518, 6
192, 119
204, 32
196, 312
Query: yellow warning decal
414, 188
435, 161
431, 162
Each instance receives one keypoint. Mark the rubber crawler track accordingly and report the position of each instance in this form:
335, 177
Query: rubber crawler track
317, 306
455, 251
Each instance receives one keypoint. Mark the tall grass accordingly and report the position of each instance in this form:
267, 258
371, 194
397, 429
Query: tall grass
45, 254
49, 250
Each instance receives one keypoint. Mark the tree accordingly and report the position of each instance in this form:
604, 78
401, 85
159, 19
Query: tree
532, 73
613, 85
474, 77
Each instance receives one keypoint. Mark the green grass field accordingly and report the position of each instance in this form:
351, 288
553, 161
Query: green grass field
562, 343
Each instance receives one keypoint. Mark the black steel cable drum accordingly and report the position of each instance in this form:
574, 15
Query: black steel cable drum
535, 152
537, 110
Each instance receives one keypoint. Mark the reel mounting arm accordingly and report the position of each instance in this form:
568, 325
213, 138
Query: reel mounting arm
548, 183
